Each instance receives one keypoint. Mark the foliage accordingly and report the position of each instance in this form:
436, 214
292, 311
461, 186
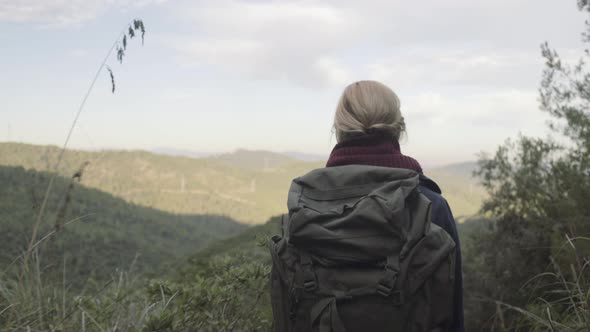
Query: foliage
227, 295
227, 291
109, 236
564, 304
538, 191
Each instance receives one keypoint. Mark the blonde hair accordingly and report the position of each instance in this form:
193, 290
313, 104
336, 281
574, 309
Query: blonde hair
368, 107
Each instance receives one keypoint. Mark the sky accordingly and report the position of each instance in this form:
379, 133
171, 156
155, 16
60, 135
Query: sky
215, 76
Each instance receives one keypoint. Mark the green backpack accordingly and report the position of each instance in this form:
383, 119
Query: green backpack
359, 253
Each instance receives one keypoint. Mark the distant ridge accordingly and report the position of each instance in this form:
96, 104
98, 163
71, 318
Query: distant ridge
460, 188
249, 186
465, 168
301, 156
306, 156
243, 158
180, 152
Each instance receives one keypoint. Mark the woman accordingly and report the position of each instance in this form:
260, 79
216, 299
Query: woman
368, 125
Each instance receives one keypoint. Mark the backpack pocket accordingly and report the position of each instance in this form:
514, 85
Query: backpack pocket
357, 228
430, 279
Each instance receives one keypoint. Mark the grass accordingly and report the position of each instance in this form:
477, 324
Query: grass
228, 294
565, 305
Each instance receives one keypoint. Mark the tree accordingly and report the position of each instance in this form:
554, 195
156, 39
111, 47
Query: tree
538, 199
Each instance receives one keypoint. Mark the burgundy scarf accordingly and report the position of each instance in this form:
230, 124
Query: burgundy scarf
371, 149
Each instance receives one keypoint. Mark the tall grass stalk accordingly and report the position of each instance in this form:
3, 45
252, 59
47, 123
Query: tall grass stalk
63, 149
122, 37
565, 305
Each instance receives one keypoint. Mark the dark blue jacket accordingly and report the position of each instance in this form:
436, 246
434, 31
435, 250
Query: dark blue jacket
443, 217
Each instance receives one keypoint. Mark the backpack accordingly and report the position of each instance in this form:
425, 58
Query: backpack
359, 253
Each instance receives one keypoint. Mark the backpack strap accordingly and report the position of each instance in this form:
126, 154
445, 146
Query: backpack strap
387, 283
324, 314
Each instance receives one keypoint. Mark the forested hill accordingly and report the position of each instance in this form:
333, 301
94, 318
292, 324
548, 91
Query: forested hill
248, 186
214, 185
111, 235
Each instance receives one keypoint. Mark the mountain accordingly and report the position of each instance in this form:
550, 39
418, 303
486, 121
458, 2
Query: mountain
306, 156
248, 186
462, 169
229, 185
301, 156
110, 234
463, 191
254, 159
180, 152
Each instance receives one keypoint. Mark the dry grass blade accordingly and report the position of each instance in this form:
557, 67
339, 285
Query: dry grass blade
8, 307
534, 317
92, 319
41, 241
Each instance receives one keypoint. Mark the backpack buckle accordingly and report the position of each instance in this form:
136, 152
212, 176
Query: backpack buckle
383, 290
397, 297
309, 285
387, 283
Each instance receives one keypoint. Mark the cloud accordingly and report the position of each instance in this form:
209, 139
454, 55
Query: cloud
506, 109
325, 43
292, 41
63, 12
231, 53
443, 69
444, 128
332, 71
77, 53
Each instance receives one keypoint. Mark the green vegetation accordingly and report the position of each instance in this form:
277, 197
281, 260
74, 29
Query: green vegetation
105, 234
528, 271
247, 186
91, 272
250, 243
172, 184
223, 288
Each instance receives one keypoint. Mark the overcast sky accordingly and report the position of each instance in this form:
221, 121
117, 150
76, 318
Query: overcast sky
214, 76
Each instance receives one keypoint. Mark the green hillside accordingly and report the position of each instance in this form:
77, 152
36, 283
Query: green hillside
111, 236
248, 186
171, 183
249, 243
